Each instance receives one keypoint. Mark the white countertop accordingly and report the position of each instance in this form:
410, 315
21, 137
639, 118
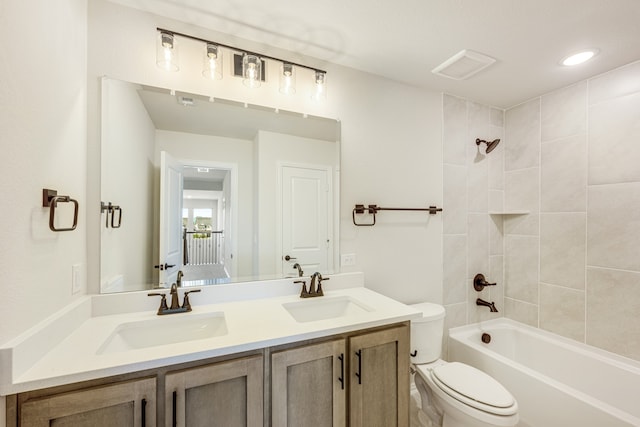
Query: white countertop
65, 348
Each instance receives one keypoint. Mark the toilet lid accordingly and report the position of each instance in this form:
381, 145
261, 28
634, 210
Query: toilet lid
472, 384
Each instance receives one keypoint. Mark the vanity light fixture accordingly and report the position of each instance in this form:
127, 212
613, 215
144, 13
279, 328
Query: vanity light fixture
252, 69
579, 58
167, 51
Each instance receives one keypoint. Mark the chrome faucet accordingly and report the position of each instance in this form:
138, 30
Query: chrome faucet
491, 305
297, 266
175, 303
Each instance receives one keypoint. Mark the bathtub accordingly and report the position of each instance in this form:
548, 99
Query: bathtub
557, 382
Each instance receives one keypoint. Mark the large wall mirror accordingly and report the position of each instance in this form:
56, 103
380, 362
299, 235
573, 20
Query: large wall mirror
204, 191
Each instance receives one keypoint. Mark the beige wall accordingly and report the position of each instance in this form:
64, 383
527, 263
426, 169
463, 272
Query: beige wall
43, 117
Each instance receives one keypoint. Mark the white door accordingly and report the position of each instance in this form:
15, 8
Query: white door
171, 244
306, 215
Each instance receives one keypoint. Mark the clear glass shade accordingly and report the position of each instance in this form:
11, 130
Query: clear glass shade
212, 65
167, 51
251, 70
320, 87
287, 79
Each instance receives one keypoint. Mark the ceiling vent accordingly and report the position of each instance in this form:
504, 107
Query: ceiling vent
463, 65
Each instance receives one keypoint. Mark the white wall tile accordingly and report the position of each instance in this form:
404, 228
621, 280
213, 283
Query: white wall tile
522, 136
613, 304
522, 192
613, 232
496, 164
496, 201
478, 244
521, 268
496, 235
496, 275
497, 117
563, 175
563, 249
619, 82
455, 130
614, 140
562, 311
564, 112
477, 186
455, 268
521, 311
454, 212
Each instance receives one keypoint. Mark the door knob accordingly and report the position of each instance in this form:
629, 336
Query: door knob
288, 258
164, 266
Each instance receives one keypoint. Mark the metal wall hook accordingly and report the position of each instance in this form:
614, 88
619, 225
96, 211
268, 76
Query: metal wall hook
50, 200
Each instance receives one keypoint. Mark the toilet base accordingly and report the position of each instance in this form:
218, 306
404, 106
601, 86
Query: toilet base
441, 413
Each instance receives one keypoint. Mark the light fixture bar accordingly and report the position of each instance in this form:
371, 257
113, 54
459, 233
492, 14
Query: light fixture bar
162, 30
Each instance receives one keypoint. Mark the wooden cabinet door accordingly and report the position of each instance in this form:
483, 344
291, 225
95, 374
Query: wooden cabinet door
379, 393
223, 394
130, 403
308, 387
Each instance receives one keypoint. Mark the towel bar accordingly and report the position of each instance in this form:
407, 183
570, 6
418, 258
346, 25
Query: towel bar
374, 209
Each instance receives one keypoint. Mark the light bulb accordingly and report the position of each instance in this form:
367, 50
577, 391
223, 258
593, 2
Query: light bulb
212, 63
167, 51
287, 79
251, 70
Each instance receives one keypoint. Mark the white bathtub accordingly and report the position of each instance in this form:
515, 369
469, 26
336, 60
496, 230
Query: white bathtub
557, 382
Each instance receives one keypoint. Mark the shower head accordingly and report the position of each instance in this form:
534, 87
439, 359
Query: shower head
490, 145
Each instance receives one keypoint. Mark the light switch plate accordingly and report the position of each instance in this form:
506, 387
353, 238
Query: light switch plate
347, 259
76, 278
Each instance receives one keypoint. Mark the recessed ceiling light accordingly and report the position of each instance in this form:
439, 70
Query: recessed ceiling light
579, 58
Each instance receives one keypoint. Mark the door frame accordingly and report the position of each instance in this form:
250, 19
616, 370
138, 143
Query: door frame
233, 209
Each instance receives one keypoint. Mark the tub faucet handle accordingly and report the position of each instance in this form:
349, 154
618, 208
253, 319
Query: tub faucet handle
479, 282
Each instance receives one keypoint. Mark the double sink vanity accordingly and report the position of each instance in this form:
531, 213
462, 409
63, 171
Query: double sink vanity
251, 354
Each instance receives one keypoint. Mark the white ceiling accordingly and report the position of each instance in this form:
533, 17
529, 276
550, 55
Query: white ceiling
404, 40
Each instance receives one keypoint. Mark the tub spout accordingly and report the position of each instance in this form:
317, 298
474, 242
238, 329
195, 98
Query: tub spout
491, 305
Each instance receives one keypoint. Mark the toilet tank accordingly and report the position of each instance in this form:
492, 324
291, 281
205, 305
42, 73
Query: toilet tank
426, 333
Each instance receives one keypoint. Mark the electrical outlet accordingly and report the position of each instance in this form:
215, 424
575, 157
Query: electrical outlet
76, 278
347, 259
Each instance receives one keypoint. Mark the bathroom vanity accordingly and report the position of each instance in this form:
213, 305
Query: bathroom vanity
274, 360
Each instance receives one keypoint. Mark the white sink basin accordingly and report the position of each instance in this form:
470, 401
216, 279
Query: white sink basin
322, 308
167, 329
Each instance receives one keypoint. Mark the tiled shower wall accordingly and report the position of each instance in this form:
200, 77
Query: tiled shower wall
473, 187
571, 159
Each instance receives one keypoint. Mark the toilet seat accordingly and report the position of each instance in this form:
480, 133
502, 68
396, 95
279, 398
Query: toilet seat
472, 387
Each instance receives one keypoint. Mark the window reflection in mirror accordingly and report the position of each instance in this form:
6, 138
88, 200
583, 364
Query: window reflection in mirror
251, 187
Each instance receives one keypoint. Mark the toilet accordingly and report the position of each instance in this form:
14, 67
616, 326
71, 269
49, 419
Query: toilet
454, 394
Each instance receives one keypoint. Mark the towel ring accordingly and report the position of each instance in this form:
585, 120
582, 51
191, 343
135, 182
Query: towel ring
50, 200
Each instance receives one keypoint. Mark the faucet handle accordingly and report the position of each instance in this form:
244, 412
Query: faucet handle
304, 292
479, 282
186, 304
320, 280
163, 301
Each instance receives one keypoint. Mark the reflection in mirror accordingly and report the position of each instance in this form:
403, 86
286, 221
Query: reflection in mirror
213, 191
